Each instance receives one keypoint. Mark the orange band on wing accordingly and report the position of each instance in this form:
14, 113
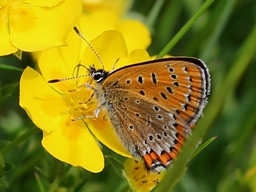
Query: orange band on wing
148, 159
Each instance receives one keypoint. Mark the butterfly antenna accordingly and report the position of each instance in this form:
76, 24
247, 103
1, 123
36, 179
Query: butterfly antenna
91, 47
73, 77
68, 78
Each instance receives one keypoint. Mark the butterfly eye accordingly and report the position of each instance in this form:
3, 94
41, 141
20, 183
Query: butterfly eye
99, 75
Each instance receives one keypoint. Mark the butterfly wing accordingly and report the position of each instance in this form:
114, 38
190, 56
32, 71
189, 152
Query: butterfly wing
154, 104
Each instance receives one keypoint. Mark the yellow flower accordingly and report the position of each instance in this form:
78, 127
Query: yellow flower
33, 25
116, 6
136, 34
53, 107
139, 178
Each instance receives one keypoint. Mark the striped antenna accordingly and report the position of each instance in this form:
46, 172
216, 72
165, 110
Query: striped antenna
68, 78
91, 47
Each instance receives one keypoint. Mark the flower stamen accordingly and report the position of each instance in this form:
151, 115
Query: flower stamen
80, 103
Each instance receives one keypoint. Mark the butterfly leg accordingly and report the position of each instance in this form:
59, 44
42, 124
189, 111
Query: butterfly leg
96, 116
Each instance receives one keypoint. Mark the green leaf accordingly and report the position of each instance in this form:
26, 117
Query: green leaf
204, 145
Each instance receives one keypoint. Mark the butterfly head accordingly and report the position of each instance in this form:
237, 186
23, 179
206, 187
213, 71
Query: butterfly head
98, 74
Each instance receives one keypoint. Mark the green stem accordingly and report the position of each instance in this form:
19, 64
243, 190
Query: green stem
18, 140
215, 35
154, 13
39, 182
9, 67
184, 29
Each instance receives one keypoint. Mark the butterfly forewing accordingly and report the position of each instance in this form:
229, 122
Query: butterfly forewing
178, 83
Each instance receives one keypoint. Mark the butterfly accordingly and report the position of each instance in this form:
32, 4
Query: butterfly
154, 105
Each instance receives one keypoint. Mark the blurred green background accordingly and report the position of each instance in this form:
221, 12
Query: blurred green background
225, 38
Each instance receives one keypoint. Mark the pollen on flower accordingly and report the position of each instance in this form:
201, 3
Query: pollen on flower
80, 104
14, 8
8, 4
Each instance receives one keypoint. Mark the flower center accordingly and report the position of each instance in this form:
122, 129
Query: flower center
13, 10
7, 7
5, 2
80, 103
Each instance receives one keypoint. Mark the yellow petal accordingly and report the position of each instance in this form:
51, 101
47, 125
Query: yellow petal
43, 105
92, 25
105, 133
6, 45
60, 62
115, 6
136, 56
139, 177
44, 3
71, 142
35, 28
110, 46
136, 34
